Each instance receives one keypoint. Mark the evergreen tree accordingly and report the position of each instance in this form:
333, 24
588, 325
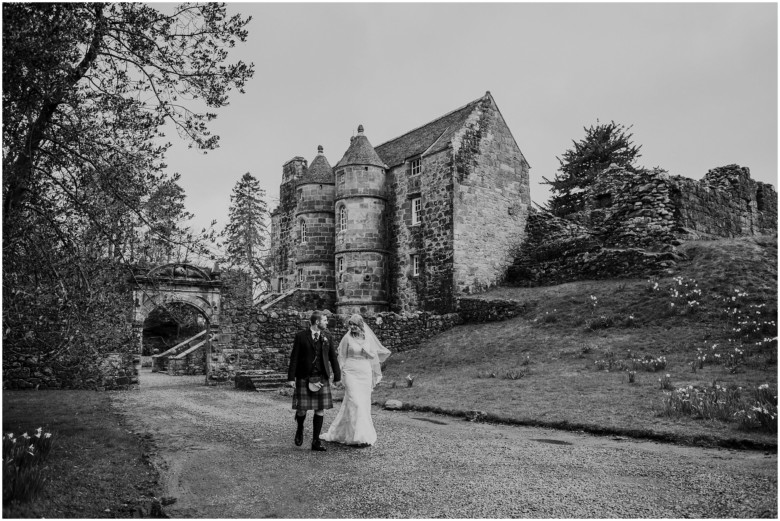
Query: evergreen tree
246, 234
603, 145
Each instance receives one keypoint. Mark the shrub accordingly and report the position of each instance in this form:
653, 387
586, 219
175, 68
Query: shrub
600, 322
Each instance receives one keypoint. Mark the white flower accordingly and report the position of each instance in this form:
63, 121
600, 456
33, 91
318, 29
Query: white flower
47, 435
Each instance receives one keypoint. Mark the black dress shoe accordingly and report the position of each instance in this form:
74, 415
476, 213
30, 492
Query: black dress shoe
317, 445
299, 438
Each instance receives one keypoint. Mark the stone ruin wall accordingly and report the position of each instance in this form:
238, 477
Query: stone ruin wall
634, 220
725, 203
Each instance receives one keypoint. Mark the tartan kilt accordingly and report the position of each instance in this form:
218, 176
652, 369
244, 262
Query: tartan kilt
305, 400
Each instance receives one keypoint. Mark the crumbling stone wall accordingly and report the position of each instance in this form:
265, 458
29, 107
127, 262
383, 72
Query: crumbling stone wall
634, 219
557, 250
648, 208
725, 203
629, 208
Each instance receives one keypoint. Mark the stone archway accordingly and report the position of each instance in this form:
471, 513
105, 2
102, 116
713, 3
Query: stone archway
177, 282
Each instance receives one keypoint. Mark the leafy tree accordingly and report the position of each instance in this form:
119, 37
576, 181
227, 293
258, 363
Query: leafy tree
603, 145
88, 90
246, 235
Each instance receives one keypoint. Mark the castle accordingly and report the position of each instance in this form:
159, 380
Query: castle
407, 226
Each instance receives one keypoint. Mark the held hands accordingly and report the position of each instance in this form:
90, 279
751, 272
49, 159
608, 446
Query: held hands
291, 383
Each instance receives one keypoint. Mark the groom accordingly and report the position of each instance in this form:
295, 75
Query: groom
309, 374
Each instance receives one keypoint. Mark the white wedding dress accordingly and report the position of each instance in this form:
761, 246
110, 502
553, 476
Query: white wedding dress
353, 424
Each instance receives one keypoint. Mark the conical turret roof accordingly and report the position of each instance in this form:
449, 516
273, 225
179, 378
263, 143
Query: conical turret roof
360, 152
319, 170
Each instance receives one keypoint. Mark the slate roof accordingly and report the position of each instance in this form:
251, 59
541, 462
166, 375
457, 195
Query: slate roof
360, 152
435, 136
319, 170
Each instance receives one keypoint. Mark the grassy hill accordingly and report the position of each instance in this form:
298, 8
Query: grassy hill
568, 362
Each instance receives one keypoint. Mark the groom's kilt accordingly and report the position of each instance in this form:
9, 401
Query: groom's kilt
305, 400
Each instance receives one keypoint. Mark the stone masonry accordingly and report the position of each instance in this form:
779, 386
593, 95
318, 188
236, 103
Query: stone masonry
634, 219
419, 220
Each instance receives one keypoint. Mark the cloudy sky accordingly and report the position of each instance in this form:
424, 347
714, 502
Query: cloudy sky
697, 81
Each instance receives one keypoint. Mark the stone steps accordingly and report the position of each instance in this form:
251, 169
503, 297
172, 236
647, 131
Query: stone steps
260, 380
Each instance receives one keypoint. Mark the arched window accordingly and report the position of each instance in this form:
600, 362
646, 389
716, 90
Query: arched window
343, 218
303, 230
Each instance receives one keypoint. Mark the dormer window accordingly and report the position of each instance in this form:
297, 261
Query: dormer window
415, 166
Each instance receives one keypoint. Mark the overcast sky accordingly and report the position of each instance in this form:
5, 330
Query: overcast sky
698, 82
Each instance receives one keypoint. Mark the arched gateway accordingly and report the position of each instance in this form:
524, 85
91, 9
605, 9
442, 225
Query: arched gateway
178, 283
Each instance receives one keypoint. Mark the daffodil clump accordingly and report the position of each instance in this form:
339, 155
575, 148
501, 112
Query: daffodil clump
23, 456
752, 408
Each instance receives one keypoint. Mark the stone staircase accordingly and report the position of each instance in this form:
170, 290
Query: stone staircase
179, 352
260, 380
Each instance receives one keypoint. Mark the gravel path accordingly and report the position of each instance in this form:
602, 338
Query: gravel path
229, 454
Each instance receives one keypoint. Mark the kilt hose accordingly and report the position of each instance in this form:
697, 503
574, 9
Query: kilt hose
305, 400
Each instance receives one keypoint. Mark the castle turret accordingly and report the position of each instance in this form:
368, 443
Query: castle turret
361, 231
314, 222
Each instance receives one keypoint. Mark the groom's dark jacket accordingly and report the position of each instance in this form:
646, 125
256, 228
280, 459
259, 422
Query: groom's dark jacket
303, 355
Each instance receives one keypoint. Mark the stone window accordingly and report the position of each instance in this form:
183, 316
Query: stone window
342, 218
303, 231
416, 210
300, 275
414, 260
415, 166
341, 265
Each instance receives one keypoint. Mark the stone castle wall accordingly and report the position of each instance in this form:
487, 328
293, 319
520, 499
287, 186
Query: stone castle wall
430, 239
491, 201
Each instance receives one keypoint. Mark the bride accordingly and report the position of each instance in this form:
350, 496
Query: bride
360, 354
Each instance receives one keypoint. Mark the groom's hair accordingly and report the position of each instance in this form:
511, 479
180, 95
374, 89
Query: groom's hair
315, 317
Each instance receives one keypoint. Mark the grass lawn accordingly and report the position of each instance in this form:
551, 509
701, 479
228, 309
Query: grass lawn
96, 469
543, 367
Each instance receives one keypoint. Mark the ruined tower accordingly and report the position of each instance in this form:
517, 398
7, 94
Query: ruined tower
316, 192
283, 226
361, 230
